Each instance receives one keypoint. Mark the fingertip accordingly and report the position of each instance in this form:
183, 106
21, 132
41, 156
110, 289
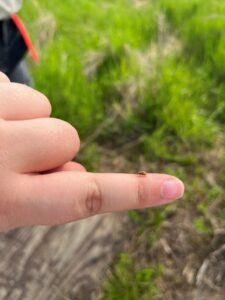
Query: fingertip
172, 189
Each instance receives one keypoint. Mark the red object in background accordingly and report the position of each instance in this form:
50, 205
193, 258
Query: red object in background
27, 40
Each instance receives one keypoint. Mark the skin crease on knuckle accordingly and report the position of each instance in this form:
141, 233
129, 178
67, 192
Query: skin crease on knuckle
142, 195
92, 204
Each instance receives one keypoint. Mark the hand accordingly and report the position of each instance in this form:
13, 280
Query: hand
39, 185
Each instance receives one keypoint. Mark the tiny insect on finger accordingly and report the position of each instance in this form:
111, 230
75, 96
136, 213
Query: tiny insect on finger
142, 173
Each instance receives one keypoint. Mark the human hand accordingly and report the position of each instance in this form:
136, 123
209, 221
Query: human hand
39, 185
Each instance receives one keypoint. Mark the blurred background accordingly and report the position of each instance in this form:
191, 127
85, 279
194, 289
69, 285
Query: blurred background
144, 84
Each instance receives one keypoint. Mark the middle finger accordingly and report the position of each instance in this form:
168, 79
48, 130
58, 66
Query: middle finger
37, 145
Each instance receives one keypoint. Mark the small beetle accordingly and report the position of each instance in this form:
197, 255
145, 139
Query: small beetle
142, 173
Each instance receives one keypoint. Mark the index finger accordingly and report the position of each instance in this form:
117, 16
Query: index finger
67, 196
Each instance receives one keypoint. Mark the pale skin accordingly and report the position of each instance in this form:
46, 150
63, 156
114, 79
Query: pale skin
39, 183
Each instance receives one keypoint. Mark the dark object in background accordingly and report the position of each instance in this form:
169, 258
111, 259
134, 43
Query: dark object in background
12, 52
21, 74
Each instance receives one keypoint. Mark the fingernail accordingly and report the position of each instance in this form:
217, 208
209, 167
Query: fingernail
172, 189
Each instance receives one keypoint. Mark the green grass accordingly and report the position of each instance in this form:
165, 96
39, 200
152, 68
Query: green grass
129, 283
108, 40
143, 81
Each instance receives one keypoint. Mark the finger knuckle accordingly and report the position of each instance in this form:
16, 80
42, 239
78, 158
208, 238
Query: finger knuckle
42, 99
62, 138
34, 95
47, 107
93, 201
141, 191
69, 135
3, 77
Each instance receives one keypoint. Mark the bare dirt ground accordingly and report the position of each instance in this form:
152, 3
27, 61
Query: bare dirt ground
64, 262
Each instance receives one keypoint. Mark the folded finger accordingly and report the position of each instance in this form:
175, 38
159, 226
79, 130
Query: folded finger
20, 102
38, 145
4, 78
